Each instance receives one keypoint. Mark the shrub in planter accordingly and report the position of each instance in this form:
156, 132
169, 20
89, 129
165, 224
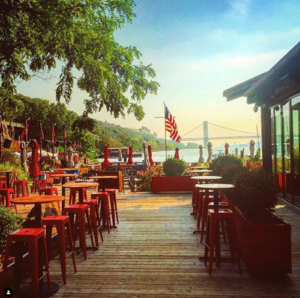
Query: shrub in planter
255, 195
9, 221
174, 167
218, 164
231, 171
264, 239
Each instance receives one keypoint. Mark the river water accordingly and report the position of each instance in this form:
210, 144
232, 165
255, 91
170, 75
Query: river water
188, 155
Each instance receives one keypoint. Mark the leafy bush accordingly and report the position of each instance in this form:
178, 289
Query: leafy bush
9, 222
10, 158
21, 174
255, 194
174, 167
230, 172
145, 177
218, 164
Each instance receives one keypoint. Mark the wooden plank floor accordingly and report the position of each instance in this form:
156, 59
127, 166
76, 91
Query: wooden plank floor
153, 253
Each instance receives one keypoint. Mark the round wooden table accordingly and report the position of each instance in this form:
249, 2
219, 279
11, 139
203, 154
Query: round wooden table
63, 176
37, 201
102, 179
7, 172
196, 179
80, 186
215, 187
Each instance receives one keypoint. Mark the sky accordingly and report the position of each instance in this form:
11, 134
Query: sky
198, 49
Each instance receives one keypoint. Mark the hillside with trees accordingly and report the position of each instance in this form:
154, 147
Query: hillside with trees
92, 134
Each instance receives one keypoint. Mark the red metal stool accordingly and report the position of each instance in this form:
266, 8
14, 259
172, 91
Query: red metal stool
113, 205
60, 222
198, 209
73, 194
6, 193
80, 210
50, 191
205, 203
34, 238
38, 184
3, 184
95, 218
23, 184
103, 205
212, 233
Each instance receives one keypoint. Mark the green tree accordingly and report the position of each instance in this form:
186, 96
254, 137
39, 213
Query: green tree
88, 147
35, 35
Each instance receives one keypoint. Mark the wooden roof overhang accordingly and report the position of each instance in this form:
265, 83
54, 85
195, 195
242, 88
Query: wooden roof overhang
273, 87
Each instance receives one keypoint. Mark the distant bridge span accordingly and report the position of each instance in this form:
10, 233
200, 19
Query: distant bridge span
220, 133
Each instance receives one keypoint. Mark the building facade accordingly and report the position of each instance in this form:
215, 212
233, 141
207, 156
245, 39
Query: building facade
276, 93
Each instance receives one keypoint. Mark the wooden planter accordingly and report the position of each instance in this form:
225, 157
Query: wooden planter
171, 183
265, 248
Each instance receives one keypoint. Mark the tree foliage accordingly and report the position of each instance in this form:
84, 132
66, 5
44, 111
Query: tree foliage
35, 35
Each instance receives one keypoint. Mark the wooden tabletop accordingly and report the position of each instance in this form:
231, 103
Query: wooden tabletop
37, 199
205, 177
199, 167
200, 171
8, 171
215, 186
103, 177
62, 175
80, 185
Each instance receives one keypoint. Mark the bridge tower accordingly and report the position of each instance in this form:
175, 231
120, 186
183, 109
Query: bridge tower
205, 134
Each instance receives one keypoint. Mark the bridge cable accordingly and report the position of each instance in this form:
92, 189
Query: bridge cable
252, 133
192, 130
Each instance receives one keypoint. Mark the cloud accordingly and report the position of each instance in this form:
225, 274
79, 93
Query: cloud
240, 7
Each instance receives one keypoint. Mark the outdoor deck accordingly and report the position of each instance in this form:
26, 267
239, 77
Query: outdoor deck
154, 253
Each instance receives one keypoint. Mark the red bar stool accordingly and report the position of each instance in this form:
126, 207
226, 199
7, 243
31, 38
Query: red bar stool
33, 238
3, 184
95, 218
60, 222
198, 209
38, 184
6, 193
73, 194
23, 184
103, 205
214, 216
50, 191
205, 202
113, 205
80, 211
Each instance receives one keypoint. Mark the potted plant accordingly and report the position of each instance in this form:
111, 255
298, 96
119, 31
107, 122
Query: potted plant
9, 222
173, 178
264, 239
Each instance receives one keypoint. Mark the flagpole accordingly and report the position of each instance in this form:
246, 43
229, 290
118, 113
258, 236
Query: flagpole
65, 137
53, 139
41, 140
166, 149
1, 131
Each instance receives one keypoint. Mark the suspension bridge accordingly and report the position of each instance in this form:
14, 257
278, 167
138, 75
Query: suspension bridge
211, 131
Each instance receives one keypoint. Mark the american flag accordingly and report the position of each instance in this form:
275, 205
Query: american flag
171, 126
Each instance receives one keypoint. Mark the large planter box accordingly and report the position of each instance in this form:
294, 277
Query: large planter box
265, 248
171, 183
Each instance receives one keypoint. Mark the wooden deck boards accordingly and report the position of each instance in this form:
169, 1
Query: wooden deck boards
153, 253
